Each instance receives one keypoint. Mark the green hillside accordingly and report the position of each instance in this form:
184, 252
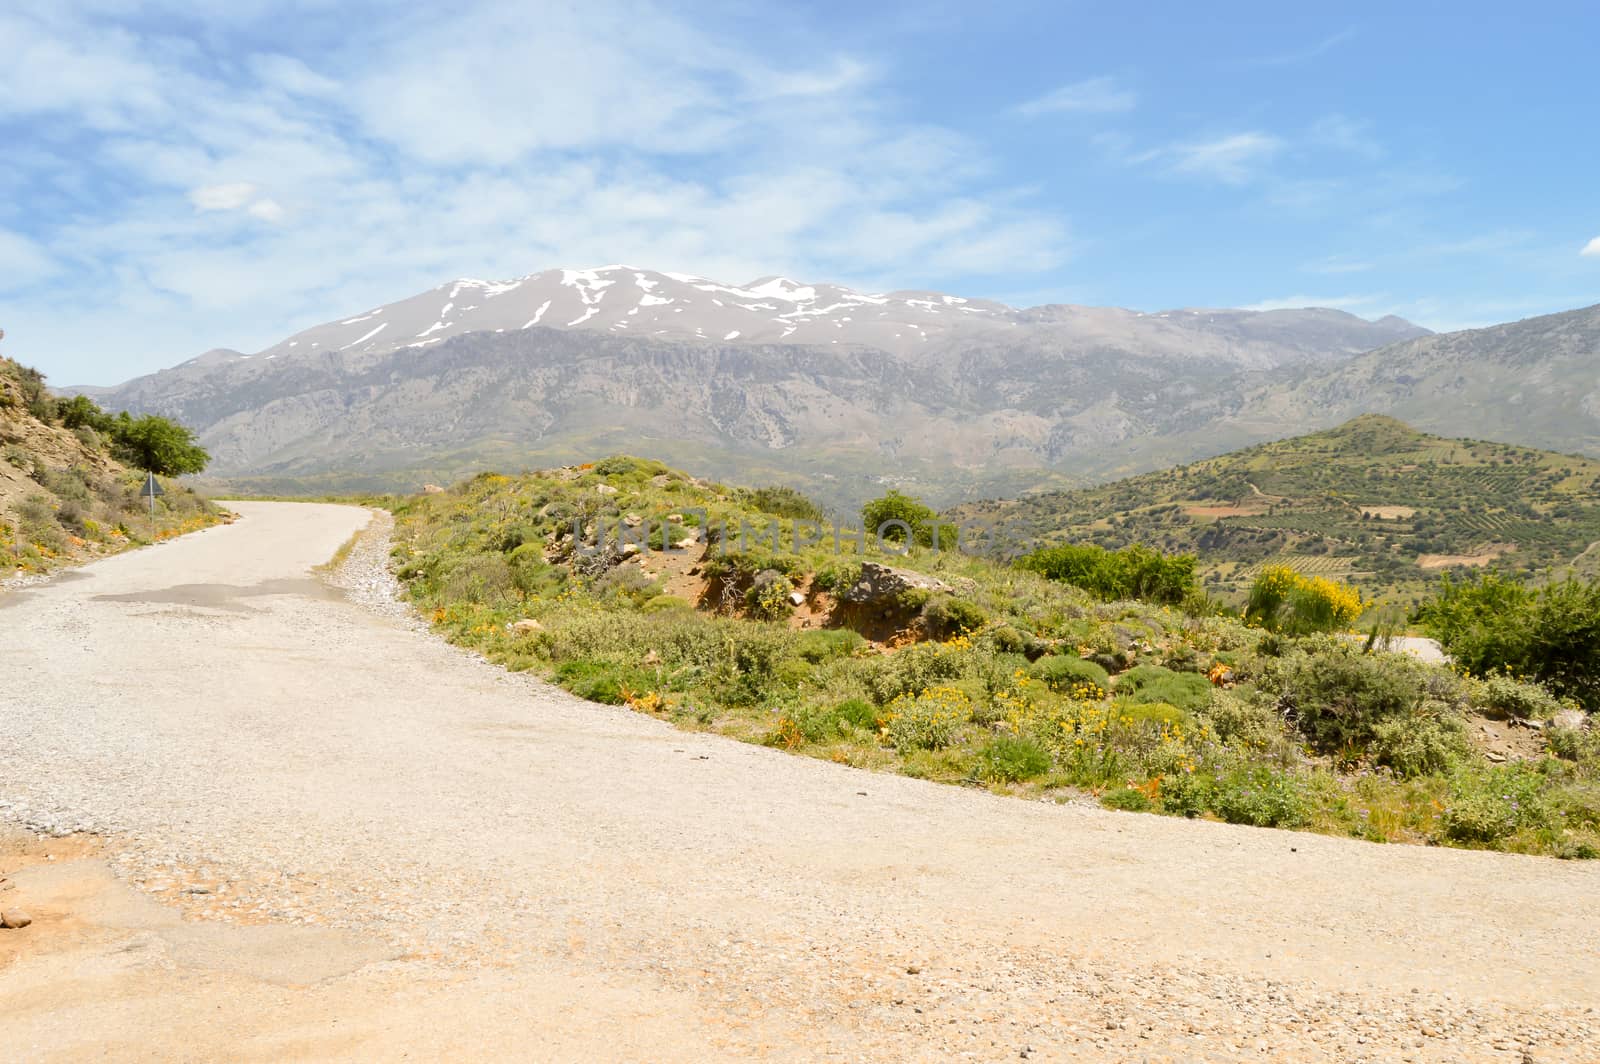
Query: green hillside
1372, 502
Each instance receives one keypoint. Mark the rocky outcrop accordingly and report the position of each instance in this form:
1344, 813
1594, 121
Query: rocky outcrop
884, 586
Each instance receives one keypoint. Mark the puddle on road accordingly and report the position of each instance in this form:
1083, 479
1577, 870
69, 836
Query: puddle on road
65, 576
225, 596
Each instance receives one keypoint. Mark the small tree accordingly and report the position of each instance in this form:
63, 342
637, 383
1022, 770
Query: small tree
158, 445
918, 517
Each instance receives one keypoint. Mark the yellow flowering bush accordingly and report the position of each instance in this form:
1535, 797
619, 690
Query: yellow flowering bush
1283, 600
928, 720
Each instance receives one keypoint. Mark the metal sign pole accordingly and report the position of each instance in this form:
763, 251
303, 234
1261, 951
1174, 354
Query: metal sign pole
152, 488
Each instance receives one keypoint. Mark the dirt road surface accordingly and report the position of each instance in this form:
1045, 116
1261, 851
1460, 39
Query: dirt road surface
321, 834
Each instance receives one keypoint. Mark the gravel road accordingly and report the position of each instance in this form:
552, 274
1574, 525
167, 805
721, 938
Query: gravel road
537, 877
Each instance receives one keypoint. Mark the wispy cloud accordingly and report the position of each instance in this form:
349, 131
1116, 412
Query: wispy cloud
1295, 56
1591, 249
1233, 159
1347, 302
1343, 134
1094, 96
1337, 264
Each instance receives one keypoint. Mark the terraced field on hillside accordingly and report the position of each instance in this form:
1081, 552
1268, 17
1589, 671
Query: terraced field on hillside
1372, 501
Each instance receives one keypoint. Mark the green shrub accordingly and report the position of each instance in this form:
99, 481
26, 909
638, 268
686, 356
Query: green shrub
1337, 696
1581, 745
887, 515
1186, 794
930, 720
858, 713
1134, 572
913, 669
945, 616
836, 576
1259, 796
602, 681
1067, 674
768, 596
1489, 624
483, 579
531, 574
1240, 717
1157, 713
1008, 640
1428, 740
1128, 800
1012, 758
826, 644
1504, 696
826, 723
782, 502
1152, 683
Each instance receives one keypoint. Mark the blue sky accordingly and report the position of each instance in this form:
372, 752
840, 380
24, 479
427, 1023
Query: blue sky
180, 178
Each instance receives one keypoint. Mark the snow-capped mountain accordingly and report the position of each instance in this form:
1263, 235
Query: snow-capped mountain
773, 378
625, 301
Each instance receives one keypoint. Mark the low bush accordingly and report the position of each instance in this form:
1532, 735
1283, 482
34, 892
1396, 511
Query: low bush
826, 723
768, 596
913, 669
1131, 573
479, 578
944, 616
1243, 718
1352, 704
1505, 696
1012, 758
1152, 683
930, 720
1127, 799
782, 502
602, 681
826, 644
1489, 805
1069, 674
1259, 796
836, 576
1283, 600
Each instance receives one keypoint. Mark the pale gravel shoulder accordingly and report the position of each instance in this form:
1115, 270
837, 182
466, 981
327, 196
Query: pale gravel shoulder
367, 578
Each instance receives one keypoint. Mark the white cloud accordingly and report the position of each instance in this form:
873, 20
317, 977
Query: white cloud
1233, 159
456, 143
1094, 96
1330, 302
267, 210
22, 261
1591, 249
229, 197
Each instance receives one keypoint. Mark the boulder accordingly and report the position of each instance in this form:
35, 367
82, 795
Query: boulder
525, 626
882, 585
432, 489
15, 919
604, 489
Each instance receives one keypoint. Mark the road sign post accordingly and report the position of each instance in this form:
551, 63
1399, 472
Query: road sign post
152, 488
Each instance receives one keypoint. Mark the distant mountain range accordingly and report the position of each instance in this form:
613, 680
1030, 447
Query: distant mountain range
818, 384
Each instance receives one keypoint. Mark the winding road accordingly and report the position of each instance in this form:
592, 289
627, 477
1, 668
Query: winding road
316, 832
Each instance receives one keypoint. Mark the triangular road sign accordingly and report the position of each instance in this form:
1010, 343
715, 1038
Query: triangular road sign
152, 487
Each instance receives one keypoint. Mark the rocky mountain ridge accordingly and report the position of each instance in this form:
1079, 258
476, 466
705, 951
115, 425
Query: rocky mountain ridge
836, 389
